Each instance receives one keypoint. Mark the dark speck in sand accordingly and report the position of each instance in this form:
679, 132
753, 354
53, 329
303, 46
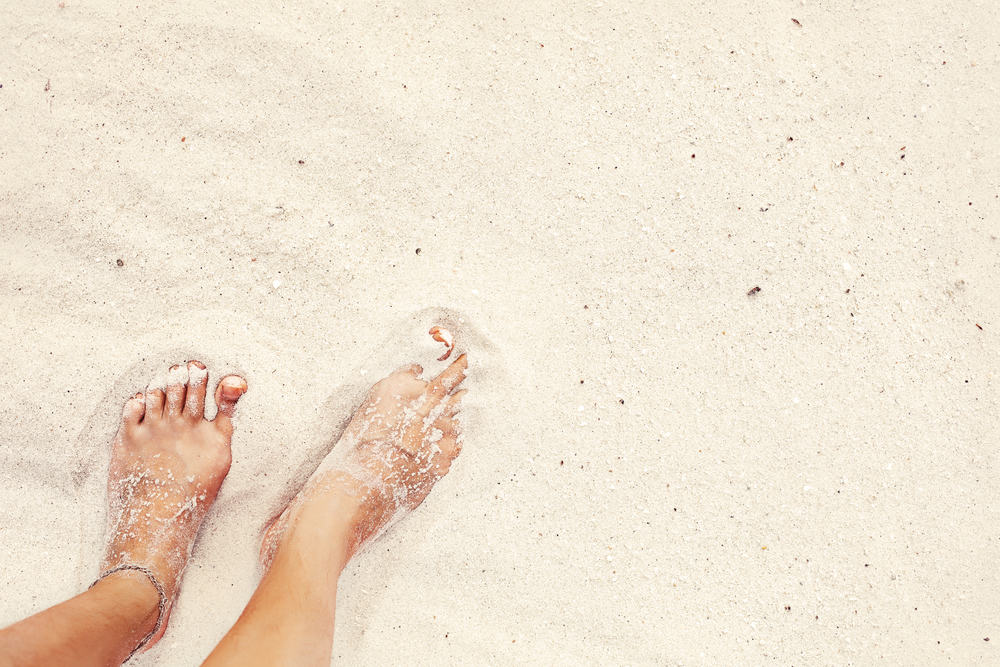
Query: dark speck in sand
120, 263
796, 22
302, 161
692, 155
418, 251
847, 291
621, 401
753, 290
979, 326
48, 85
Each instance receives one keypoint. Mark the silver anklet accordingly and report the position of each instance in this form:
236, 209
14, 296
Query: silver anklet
159, 589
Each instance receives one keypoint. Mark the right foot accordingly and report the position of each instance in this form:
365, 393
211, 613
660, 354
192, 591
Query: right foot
167, 464
399, 443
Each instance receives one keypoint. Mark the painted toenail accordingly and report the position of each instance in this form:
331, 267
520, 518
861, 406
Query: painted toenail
197, 363
233, 387
197, 374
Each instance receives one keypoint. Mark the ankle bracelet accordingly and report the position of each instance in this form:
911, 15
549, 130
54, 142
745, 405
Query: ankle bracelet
159, 589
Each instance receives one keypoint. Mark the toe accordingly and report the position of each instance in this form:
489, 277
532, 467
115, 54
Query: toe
134, 408
454, 403
230, 389
194, 401
177, 379
154, 403
447, 425
454, 445
444, 384
411, 369
450, 448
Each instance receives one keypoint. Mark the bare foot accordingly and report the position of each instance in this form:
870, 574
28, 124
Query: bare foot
167, 464
401, 440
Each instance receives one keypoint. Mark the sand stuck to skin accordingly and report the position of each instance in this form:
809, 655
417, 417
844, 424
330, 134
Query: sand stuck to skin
659, 468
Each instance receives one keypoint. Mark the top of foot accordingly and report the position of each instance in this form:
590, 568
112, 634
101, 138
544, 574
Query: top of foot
401, 440
167, 464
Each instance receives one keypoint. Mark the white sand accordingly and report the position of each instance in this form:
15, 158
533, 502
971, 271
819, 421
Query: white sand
659, 469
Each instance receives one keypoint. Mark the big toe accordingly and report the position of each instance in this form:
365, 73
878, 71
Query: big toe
229, 391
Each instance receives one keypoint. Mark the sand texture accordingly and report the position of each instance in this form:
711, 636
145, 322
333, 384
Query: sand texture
659, 468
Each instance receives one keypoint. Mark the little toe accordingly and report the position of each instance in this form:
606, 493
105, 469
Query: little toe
134, 409
194, 401
177, 379
447, 425
453, 444
229, 391
154, 403
450, 448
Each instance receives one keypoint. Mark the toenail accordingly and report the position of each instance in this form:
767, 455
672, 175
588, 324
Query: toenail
197, 363
233, 387
197, 374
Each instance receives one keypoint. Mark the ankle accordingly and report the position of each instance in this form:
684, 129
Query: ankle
135, 596
322, 533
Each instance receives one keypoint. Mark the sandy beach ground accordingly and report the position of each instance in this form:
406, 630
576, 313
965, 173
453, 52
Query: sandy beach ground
659, 468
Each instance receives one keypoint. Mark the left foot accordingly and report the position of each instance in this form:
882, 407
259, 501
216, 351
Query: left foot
167, 464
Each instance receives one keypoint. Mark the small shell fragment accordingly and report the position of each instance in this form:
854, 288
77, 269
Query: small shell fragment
442, 335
